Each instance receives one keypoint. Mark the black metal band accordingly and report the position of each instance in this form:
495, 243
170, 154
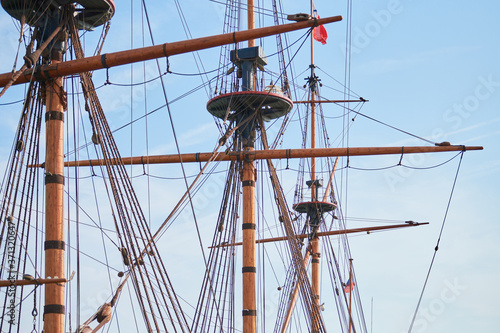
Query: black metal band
54, 115
103, 61
54, 245
165, 49
54, 179
248, 312
248, 183
248, 269
246, 226
45, 73
315, 261
315, 22
53, 308
37, 73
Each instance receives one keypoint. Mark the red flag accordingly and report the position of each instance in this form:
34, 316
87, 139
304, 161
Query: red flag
349, 286
319, 33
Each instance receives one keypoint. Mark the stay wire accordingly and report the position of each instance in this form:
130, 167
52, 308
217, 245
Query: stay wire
179, 153
437, 244
11, 103
390, 126
147, 114
257, 9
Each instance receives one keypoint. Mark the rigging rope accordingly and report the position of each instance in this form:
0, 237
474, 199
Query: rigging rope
19, 193
155, 291
390, 126
437, 245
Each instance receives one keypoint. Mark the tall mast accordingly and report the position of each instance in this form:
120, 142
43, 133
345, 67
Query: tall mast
315, 240
54, 309
315, 184
249, 270
50, 20
251, 20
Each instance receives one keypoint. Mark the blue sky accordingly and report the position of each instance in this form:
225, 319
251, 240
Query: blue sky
428, 68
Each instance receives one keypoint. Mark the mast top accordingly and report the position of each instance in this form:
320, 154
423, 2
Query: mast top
93, 14
271, 105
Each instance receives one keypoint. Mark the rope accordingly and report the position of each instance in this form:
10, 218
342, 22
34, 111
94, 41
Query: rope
437, 245
390, 126
158, 301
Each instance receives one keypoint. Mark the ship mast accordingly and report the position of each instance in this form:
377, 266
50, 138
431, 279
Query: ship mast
314, 184
54, 309
52, 74
248, 269
54, 203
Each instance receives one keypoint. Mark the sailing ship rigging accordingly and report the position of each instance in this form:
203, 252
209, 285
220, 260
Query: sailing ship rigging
253, 112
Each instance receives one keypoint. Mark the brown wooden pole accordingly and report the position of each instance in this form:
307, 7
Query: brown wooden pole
333, 232
315, 273
293, 298
313, 115
251, 20
7, 283
330, 181
314, 190
313, 146
249, 268
158, 51
54, 311
321, 101
276, 154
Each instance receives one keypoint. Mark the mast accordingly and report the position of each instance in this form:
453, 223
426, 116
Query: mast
51, 72
54, 309
314, 188
251, 20
50, 21
248, 226
249, 271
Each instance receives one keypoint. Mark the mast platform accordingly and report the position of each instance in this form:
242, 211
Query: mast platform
94, 12
272, 105
317, 206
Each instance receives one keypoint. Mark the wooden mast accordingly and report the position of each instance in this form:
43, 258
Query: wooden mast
249, 270
293, 297
315, 255
251, 20
54, 310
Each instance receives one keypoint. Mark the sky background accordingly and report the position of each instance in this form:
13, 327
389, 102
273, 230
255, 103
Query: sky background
428, 68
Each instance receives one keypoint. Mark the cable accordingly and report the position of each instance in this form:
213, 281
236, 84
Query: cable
437, 245
390, 126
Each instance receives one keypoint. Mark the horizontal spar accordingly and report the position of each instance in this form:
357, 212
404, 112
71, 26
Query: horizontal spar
8, 283
277, 154
337, 101
333, 232
108, 60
